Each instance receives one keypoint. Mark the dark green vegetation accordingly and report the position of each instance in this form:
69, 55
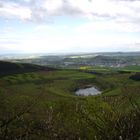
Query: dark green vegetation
14, 68
136, 76
40, 104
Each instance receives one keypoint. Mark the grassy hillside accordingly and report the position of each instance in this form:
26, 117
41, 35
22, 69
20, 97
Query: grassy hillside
13, 68
37, 103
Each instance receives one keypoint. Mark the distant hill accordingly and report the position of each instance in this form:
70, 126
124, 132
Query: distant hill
114, 59
13, 68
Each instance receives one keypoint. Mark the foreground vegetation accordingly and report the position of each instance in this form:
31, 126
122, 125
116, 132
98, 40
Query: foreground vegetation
40, 103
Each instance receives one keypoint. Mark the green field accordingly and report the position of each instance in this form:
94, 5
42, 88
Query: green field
42, 105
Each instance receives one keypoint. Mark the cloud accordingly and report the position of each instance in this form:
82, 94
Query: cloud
14, 10
106, 26
38, 42
40, 10
110, 23
9, 45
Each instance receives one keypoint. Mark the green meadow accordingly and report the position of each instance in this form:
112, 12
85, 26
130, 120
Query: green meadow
41, 104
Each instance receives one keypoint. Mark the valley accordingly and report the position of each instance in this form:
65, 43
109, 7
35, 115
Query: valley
38, 102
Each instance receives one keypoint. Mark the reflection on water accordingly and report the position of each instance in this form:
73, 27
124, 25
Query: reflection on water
88, 91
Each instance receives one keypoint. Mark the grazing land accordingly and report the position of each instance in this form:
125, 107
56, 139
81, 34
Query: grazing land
39, 103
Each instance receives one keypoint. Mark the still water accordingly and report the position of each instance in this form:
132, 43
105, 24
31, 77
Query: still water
87, 91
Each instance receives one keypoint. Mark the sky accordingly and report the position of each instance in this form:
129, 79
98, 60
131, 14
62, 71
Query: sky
66, 26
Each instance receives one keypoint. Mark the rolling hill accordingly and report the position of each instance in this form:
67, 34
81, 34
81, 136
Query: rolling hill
39, 103
14, 68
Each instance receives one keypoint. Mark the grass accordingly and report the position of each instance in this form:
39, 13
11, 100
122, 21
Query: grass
42, 105
132, 68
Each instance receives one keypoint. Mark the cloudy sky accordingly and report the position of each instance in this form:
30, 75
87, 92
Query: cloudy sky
61, 26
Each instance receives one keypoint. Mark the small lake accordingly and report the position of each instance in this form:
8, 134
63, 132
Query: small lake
87, 91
